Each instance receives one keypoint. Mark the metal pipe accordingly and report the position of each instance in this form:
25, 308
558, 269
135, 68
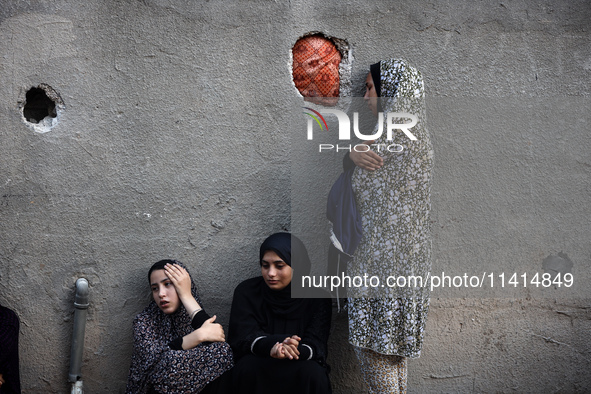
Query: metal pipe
81, 305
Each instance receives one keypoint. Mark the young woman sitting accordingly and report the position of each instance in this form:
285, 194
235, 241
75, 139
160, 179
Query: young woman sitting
280, 343
178, 348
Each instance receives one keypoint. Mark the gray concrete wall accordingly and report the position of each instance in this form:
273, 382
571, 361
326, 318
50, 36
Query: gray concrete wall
174, 142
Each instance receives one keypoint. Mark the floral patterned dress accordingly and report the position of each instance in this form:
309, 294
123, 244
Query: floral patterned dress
156, 367
394, 202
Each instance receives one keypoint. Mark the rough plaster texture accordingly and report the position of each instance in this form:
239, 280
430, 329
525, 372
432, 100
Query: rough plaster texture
174, 142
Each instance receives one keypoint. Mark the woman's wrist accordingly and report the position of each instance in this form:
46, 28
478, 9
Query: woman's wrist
196, 311
191, 305
191, 340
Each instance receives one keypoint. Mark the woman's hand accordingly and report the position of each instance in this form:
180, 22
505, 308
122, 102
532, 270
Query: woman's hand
290, 347
1, 380
277, 351
211, 332
368, 160
208, 332
180, 278
287, 349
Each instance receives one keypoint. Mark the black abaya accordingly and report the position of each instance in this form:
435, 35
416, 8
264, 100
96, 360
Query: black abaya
256, 324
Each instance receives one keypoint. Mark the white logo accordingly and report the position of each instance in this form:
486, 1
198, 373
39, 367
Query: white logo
394, 121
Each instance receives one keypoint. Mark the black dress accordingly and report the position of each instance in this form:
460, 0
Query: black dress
261, 317
9, 368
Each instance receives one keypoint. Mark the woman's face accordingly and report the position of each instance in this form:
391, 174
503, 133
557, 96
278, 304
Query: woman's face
164, 292
275, 271
371, 96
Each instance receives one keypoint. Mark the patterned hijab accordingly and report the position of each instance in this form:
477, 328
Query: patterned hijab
400, 86
154, 364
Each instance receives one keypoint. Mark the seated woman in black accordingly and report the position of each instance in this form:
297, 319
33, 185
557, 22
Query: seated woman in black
279, 342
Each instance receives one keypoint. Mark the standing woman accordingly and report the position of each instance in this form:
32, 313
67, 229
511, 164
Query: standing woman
392, 190
177, 347
280, 343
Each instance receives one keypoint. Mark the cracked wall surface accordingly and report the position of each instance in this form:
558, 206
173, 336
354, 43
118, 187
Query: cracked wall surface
175, 143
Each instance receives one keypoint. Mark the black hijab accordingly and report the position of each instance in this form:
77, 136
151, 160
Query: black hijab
260, 312
291, 249
159, 265
374, 69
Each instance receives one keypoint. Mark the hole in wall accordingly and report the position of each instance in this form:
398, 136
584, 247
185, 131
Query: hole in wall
41, 107
38, 106
321, 68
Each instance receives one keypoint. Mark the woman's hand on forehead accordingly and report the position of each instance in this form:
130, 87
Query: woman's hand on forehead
180, 278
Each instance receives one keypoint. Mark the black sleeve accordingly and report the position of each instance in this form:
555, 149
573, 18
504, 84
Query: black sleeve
176, 344
245, 322
246, 327
263, 346
315, 335
198, 320
317, 331
305, 352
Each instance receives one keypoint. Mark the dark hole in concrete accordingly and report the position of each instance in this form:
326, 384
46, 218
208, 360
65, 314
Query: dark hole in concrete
38, 105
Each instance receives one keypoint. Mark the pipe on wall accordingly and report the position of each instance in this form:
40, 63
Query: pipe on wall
81, 305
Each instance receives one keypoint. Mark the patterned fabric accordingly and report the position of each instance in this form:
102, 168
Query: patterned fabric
316, 63
381, 373
155, 365
394, 202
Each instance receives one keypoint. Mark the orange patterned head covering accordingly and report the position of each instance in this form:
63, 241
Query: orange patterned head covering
316, 63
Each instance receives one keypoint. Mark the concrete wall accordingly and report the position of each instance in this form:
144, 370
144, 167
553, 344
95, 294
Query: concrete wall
174, 142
